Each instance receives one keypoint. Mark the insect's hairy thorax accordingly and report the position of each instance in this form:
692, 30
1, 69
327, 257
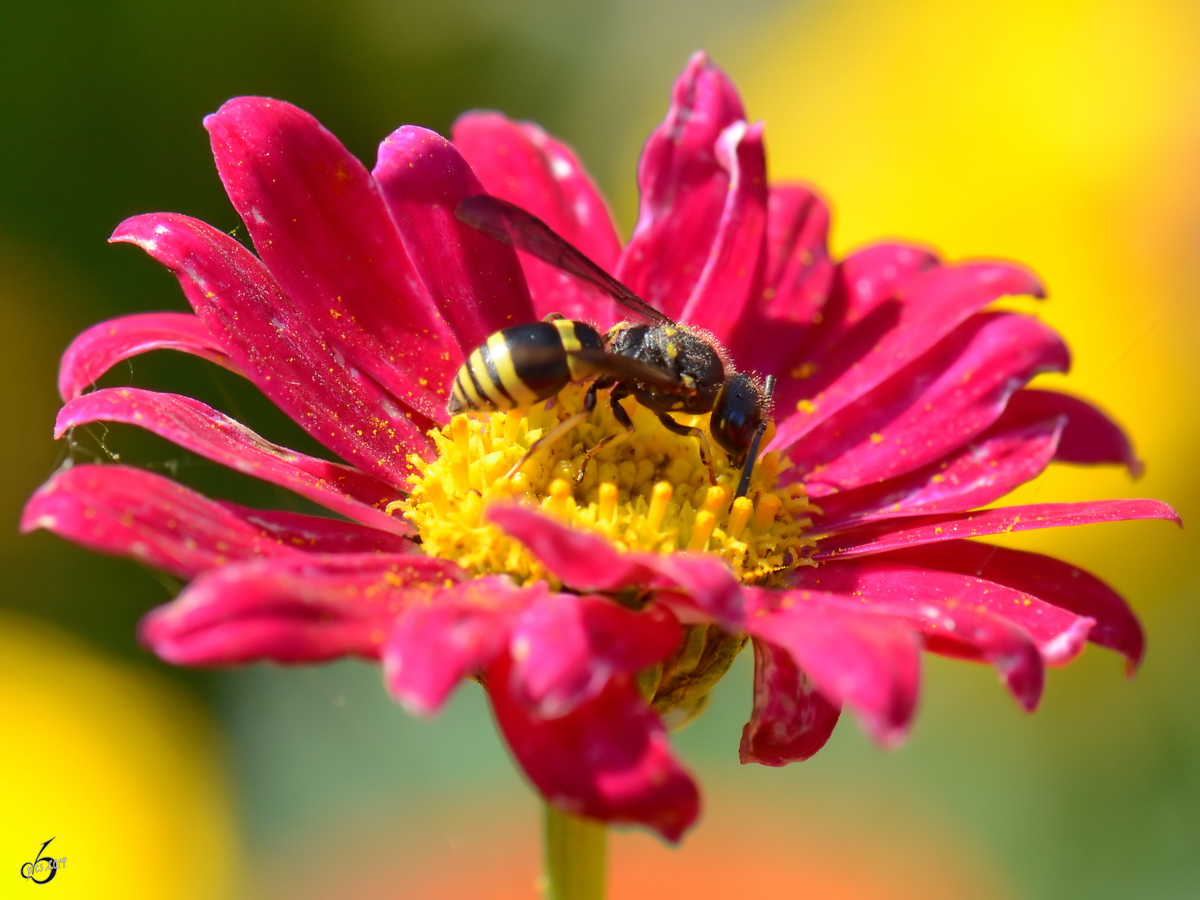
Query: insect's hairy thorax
690, 358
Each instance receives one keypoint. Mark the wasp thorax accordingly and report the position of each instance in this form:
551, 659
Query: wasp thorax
645, 490
687, 355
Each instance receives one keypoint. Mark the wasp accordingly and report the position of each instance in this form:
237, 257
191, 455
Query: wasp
666, 366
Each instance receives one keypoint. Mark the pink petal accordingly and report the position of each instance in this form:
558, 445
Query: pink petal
588, 562
881, 537
867, 662
908, 318
798, 279
791, 719
99, 348
519, 162
683, 189
1053, 580
799, 272
983, 471
868, 278
733, 273
459, 631
317, 534
930, 408
858, 286
298, 609
321, 227
608, 759
475, 280
565, 648
963, 616
213, 435
131, 512
1090, 436
280, 349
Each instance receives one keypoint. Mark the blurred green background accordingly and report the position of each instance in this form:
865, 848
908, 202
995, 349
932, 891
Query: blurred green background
1064, 134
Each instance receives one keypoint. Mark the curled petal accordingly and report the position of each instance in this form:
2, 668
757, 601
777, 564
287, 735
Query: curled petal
198, 427
963, 616
297, 609
131, 512
607, 759
565, 648
588, 562
460, 630
99, 348
1090, 437
880, 537
322, 229
732, 274
799, 272
475, 280
791, 719
908, 318
1051, 580
281, 348
871, 277
931, 407
796, 284
683, 189
520, 163
870, 663
983, 471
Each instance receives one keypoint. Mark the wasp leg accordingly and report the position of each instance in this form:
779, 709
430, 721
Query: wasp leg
687, 430
555, 433
619, 393
752, 454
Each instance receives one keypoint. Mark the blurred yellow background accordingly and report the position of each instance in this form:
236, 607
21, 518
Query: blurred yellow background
1064, 135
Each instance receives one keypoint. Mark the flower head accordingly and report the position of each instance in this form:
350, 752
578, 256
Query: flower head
599, 591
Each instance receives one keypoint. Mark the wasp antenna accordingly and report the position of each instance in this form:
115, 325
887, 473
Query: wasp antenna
752, 455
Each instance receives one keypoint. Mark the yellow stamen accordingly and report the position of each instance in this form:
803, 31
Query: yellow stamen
649, 491
768, 509
702, 530
608, 502
560, 496
714, 499
659, 501
739, 516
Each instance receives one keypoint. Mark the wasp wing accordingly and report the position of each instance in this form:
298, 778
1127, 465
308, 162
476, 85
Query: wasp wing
509, 223
625, 368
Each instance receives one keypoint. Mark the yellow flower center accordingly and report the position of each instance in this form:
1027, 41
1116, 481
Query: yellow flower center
648, 490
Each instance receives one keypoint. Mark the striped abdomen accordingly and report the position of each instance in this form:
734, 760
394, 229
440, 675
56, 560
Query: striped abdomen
523, 364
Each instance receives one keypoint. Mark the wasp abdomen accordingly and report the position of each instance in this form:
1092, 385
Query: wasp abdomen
523, 364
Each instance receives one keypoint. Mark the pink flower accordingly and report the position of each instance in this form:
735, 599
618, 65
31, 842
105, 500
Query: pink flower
594, 613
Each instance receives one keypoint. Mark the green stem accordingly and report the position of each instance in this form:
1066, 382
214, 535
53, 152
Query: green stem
576, 857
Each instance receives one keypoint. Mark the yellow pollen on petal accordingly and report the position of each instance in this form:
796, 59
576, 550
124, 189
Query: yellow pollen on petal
649, 491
